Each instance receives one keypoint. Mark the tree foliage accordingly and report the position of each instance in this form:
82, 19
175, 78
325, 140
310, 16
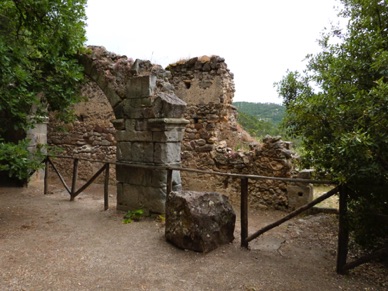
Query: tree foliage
339, 108
265, 111
260, 119
39, 43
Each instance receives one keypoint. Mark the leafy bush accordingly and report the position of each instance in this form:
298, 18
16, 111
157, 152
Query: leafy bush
368, 215
133, 215
18, 161
39, 70
338, 107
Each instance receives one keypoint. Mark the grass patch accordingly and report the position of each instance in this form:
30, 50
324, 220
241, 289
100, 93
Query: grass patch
331, 202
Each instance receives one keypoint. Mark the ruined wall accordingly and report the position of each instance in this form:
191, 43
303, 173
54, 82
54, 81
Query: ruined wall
207, 86
148, 123
91, 136
214, 141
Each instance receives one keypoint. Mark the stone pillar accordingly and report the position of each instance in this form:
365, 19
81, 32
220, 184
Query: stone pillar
149, 135
37, 136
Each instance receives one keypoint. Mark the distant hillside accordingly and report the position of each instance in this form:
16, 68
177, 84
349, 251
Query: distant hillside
262, 111
260, 119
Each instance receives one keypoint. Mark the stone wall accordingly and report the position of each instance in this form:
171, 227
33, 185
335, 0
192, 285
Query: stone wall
207, 86
91, 136
37, 137
148, 123
214, 141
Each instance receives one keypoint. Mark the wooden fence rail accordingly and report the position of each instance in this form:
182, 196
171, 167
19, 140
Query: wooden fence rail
343, 229
293, 214
72, 191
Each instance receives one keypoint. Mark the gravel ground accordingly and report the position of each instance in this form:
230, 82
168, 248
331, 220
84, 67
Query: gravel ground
50, 243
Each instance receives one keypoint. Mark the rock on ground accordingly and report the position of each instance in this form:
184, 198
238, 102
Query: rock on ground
199, 221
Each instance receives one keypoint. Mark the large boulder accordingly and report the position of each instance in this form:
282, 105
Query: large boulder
199, 221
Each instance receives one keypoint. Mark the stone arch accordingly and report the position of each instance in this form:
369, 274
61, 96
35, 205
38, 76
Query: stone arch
148, 122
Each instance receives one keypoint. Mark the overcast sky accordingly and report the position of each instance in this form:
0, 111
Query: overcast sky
259, 40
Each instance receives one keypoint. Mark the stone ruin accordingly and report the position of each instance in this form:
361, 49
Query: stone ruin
214, 141
183, 115
91, 136
148, 128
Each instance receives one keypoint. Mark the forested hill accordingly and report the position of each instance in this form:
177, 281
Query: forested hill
260, 119
263, 111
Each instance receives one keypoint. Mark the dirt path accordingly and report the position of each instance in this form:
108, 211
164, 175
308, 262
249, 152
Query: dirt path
49, 243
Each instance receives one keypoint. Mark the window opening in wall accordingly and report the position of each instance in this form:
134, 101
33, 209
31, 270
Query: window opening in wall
187, 84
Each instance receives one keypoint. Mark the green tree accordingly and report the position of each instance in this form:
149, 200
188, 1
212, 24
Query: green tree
264, 111
39, 43
258, 127
338, 107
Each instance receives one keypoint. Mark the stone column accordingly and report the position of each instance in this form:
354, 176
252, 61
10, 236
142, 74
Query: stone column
149, 135
37, 136
140, 187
